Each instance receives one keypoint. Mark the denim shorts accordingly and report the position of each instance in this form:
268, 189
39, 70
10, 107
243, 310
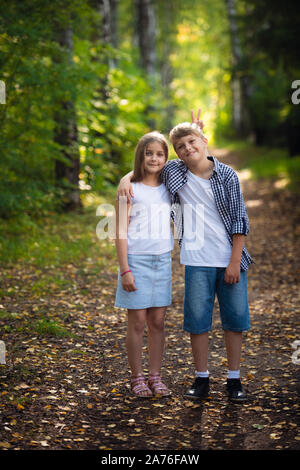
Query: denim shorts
201, 286
152, 275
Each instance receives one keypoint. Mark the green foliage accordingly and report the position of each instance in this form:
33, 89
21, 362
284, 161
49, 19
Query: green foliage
39, 76
269, 34
276, 164
115, 102
111, 129
34, 83
267, 162
268, 104
202, 65
53, 241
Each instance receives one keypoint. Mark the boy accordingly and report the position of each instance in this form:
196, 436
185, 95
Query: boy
206, 194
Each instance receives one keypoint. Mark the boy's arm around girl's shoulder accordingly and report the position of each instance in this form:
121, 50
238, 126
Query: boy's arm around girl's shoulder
170, 165
172, 168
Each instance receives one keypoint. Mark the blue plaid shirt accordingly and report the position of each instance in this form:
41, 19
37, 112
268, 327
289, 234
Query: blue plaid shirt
227, 194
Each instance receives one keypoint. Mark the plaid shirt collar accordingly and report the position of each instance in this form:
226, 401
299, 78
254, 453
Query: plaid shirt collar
216, 163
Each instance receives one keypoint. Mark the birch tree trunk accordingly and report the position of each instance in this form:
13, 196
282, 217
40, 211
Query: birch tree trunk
113, 23
108, 33
240, 89
146, 29
66, 135
146, 34
167, 30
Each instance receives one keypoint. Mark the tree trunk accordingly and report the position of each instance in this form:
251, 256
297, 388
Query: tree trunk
146, 33
168, 32
146, 30
108, 34
240, 89
67, 170
113, 23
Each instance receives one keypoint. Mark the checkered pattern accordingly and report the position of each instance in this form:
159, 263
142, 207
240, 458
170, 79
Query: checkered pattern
227, 194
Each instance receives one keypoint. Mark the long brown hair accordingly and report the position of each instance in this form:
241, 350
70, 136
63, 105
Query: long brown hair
139, 172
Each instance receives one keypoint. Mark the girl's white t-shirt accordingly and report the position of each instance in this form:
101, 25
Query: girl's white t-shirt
205, 241
149, 229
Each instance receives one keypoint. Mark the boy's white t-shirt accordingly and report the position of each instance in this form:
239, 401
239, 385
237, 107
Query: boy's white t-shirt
149, 229
205, 242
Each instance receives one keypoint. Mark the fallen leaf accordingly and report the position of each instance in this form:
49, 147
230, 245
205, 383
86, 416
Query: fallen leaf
5, 445
44, 443
258, 426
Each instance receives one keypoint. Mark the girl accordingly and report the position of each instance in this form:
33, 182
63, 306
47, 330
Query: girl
144, 242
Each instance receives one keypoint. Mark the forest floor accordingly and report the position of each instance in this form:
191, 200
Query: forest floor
65, 382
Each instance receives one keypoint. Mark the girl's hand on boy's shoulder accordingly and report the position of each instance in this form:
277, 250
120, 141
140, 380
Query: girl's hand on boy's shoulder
196, 120
128, 282
232, 273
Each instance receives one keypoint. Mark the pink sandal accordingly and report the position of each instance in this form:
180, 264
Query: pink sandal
139, 387
157, 386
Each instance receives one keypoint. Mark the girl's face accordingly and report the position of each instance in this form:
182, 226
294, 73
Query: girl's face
154, 158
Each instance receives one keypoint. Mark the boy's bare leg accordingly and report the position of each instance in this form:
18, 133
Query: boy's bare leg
156, 337
233, 342
199, 345
200, 388
134, 339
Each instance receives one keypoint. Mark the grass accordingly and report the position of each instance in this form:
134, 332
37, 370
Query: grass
49, 284
42, 327
41, 258
8, 315
265, 162
55, 241
45, 327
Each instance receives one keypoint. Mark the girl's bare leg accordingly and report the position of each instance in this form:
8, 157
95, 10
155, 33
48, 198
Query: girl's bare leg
134, 339
156, 337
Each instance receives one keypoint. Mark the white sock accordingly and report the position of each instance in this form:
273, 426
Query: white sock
202, 374
233, 374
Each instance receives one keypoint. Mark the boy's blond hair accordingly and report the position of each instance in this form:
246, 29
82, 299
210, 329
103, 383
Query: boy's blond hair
183, 129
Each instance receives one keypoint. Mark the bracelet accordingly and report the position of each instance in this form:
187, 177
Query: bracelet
125, 272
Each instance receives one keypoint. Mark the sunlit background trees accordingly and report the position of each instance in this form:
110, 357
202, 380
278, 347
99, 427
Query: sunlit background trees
86, 78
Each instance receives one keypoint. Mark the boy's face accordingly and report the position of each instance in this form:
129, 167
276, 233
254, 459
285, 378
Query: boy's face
191, 148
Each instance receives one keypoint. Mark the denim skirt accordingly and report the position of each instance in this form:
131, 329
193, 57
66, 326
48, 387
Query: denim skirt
152, 275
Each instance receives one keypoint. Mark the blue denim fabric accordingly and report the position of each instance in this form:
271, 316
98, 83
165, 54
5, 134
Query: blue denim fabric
201, 286
152, 275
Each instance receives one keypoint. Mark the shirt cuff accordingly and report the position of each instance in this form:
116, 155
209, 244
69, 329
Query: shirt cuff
240, 226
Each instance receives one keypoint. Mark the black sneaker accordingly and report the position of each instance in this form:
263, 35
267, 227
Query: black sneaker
235, 390
199, 389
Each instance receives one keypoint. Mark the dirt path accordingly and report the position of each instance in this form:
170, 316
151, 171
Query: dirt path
71, 392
